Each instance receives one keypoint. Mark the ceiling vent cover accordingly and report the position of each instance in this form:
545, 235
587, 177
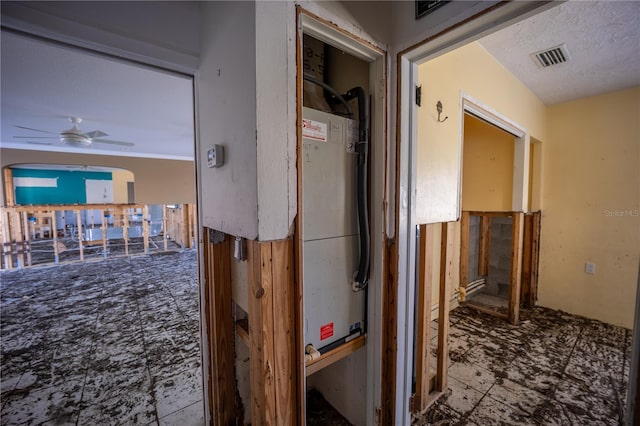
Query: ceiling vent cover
554, 56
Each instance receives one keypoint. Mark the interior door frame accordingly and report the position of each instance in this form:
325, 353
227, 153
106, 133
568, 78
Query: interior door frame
487, 22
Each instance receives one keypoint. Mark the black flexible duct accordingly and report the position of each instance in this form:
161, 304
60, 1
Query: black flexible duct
330, 89
362, 149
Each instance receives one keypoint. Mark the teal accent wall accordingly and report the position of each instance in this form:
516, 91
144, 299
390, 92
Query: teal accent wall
70, 190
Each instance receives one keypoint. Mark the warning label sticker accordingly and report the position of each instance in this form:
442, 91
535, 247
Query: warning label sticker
326, 331
315, 130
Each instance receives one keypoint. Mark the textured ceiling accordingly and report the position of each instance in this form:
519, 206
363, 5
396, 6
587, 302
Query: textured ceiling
44, 84
603, 39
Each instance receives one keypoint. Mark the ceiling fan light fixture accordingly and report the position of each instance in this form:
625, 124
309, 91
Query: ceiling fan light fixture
73, 138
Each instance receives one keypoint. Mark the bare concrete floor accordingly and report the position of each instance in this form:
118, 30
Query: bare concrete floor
552, 369
101, 343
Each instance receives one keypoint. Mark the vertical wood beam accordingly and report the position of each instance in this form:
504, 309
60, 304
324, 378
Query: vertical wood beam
79, 221
219, 318
27, 237
272, 357
104, 233
517, 231
6, 241
485, 244
145, 228
54, 233
525, 286
9, 191
125, 229
165, 226
423, 316
446, 278
464, 254
389, 338
184, 226
535, 256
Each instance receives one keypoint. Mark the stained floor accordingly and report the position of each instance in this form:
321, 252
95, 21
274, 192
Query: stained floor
552, 369
101, 343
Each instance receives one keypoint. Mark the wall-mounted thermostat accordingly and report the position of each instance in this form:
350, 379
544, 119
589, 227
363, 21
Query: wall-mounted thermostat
215, 156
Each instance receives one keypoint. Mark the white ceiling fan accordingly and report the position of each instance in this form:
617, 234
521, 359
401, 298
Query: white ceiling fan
73, 136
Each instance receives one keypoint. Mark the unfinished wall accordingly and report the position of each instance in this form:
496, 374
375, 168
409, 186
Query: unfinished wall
472, 70
591, 202
157, 181
487, 164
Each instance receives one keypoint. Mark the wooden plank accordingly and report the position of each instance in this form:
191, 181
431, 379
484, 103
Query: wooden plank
220, 318
164, 226
54, 233
517, 229
389, 338
423, 318
525, 286
79, 222
25, 226
9, 190
535, 257
490, 214
485, 245
446, 279
145, 228
6, 241
464, 252
255, 332
268, 361
184, 226
486, 310
284, 329
125, 229
104, 233
16, 237
335, 355
242, 331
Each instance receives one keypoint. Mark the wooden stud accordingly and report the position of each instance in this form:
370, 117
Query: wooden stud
9, 190
80, 234
486, 310
164, 226
184, 226
125, 229
525, 286
145, 228
535, 257
104, 232
219, 317
25, 221
335, 355
268, 362
423, 319
446, 278
517, 228
6, 241
389, 338
484, 246
464, 252
54, 233
256, 355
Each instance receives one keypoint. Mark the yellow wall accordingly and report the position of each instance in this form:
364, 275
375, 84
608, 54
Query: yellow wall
591, 202
472, 70
487, 164
120, 191
157, 181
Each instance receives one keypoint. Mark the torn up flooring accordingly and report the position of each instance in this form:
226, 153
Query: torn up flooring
552, 369
103, 342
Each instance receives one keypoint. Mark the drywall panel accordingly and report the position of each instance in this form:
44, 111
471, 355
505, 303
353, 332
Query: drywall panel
470, 70
169, 34
226, 104
591, 207
157, 181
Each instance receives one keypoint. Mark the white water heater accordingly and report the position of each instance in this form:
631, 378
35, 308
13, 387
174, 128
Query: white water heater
334, 312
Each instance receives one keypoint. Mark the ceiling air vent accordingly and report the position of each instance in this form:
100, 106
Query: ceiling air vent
548, 57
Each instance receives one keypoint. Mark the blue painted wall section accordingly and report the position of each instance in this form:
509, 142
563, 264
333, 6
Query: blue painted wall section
70, 190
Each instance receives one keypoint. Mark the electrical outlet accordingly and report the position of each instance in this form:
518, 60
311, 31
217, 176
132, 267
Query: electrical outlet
590, 268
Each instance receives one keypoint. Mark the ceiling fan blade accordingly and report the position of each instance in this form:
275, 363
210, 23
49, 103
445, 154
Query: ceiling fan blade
39, 143
96, 134
35, 130
107, 141
36, 137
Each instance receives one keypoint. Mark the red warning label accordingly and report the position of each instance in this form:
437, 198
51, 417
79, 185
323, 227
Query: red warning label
326, 331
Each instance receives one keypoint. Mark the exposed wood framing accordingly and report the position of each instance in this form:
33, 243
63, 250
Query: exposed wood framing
80, 234
219, 317
389, 338
272, 350
446, 280
517, 230
334, 355
54, 233
423, 316
27, 237
145, 228
485, 244
464, 254
9, 192
530, 257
